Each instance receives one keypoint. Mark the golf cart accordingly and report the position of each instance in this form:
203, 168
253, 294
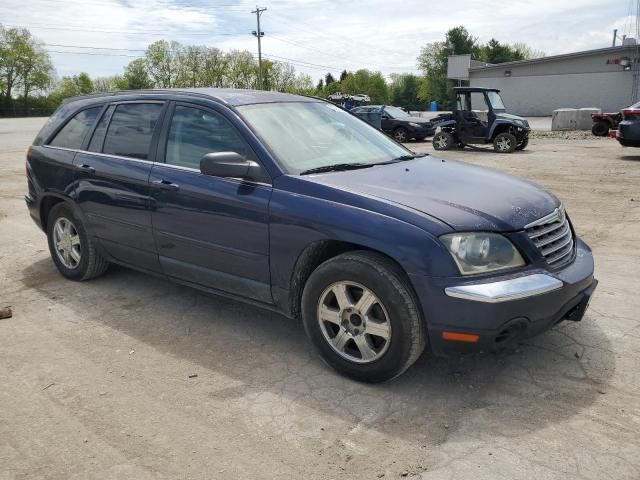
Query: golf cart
479, 117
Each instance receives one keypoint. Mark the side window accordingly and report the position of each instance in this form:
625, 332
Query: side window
131, 129
73, 132
98, 135
194, 133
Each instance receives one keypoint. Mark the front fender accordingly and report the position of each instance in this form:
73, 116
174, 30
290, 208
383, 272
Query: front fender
297, 221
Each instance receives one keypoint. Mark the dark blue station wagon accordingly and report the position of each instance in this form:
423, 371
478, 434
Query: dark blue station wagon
294, 204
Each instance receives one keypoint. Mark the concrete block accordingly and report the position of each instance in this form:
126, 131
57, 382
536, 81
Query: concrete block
564, 119
583, 118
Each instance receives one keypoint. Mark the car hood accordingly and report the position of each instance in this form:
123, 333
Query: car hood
510, 117
415, 120
464, 196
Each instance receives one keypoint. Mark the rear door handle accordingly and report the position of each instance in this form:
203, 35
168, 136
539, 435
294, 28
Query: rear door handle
88, 168
166, 185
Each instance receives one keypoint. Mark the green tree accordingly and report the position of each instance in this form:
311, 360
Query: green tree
405, 90
343, 75
136, 76
328, 79
320, 85
24, 65
71, 86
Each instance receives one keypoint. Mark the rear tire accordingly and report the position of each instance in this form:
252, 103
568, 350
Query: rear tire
72, 251
600, 129
505, 142
361, 316
443, 141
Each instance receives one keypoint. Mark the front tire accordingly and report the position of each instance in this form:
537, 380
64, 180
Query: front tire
72, 251
505, 142
401, 135
361, 316
443, 141
523, 144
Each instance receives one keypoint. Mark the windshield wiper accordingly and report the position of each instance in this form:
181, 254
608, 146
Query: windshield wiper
402, 158
337, 167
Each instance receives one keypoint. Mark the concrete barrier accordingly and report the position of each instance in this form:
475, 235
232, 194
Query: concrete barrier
572, 118
584, 120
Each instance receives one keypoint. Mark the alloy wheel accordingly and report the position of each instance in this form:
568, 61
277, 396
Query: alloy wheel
66, 241
354, 322
504, 144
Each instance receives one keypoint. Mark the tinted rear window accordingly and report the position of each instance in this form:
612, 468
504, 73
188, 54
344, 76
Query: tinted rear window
95, 145
73, 132
131, 129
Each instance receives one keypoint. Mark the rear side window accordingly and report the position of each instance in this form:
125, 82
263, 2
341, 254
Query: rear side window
73, 132
131, 129
101, 129
194, 133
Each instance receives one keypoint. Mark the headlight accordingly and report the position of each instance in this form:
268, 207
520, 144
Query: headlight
478, 252
417, 125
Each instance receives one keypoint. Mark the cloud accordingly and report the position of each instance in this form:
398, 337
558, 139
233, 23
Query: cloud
317, 36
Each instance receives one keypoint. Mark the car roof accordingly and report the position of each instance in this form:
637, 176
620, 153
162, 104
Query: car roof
230, 96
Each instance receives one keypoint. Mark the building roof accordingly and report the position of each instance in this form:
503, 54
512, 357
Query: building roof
552, 58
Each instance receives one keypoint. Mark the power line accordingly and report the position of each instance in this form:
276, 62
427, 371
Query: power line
127, 32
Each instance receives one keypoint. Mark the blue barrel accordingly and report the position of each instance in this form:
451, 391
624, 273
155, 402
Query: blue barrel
433, 106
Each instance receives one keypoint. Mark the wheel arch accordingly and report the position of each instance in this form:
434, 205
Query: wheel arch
319, 252
50, 200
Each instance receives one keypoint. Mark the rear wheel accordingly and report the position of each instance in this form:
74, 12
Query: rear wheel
401, 135
72, 251
505, 142
443, 141
600, 129
361, 316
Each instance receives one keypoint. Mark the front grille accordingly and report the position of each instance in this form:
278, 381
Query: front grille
552, 236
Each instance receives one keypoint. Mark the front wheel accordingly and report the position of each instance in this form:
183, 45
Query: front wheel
443, 141
361, 316
505, 142
523, 144
401, 135
72, 251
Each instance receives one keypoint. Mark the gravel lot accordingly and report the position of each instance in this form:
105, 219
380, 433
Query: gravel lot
94, 377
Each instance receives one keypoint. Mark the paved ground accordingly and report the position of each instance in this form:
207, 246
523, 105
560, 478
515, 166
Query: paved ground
94, 377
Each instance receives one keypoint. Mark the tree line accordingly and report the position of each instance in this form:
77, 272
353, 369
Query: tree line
28, 82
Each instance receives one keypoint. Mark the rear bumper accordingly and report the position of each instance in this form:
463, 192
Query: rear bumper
628, 134
34, 211
493, 313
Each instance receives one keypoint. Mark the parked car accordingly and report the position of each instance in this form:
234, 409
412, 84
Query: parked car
292, 204
479, 117
398, 123
603, 122
361, 97
628, 133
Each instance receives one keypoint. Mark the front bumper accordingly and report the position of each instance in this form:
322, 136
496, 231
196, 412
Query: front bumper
425, 130
464, 315
628, 133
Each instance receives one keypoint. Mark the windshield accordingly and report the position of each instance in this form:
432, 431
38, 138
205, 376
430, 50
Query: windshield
496, 100
396, 112
308, 135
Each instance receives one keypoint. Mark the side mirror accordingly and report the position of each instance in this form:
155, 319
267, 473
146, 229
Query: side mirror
227, 164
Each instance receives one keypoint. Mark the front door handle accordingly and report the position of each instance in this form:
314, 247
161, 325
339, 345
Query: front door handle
166, 185
88, 169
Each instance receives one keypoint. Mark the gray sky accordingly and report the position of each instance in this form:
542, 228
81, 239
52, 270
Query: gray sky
316, 36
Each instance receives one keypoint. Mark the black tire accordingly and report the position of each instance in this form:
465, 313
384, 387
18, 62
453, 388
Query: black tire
523, 144
401, 135
505, 142
443, 141
600, 129
382, 277
91, 263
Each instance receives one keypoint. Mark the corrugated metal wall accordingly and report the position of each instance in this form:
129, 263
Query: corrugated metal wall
575, 82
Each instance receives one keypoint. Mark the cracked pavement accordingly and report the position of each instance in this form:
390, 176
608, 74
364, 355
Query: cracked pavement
94, 376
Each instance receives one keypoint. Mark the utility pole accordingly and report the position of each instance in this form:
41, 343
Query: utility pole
259, 34
615, 36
